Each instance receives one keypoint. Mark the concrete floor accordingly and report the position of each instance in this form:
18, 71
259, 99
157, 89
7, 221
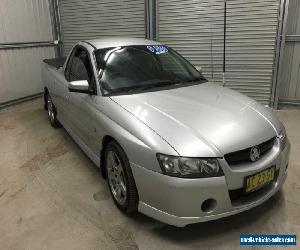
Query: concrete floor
53, 197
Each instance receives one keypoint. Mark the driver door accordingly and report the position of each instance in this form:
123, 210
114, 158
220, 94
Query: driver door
80, 105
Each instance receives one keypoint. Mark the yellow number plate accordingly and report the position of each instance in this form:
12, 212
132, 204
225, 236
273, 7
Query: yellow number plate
260, 179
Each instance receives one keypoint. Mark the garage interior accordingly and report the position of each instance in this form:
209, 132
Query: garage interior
53, 197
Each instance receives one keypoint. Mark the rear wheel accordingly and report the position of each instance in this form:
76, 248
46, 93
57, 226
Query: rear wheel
120, 179
51, 109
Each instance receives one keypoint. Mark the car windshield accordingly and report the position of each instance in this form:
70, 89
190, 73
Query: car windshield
143, 67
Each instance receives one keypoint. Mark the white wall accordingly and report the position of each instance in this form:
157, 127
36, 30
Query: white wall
20, 69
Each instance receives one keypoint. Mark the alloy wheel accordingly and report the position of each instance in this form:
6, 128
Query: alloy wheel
50, 109
116, 178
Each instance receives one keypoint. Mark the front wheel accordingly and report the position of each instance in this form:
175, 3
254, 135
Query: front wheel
51, 112
120, 179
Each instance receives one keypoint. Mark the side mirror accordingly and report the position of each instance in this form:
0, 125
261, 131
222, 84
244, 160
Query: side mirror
81, 86
199, 69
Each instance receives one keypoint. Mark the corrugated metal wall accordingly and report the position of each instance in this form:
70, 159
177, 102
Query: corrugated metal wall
89, 19
290, 72
23, 21
193, 27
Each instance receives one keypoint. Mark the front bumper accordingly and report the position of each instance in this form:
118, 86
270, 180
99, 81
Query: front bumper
177, 201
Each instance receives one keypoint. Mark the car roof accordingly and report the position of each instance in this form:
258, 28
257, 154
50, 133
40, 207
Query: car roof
108, 42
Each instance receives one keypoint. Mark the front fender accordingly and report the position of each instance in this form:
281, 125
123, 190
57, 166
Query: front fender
140, 143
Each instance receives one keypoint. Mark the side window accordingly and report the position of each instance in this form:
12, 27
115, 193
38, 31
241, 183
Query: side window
80, 66
68, 67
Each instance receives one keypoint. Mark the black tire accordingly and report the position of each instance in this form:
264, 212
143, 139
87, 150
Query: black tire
51, 111
130, 204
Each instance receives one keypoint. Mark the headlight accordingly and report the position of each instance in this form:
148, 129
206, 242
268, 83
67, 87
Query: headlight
283, 138
189, 167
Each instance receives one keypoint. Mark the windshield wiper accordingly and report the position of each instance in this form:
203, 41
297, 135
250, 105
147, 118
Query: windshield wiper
157, 84
149, 86
196, 79
160, 83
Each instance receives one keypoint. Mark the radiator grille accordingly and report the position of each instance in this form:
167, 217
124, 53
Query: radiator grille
243, 156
